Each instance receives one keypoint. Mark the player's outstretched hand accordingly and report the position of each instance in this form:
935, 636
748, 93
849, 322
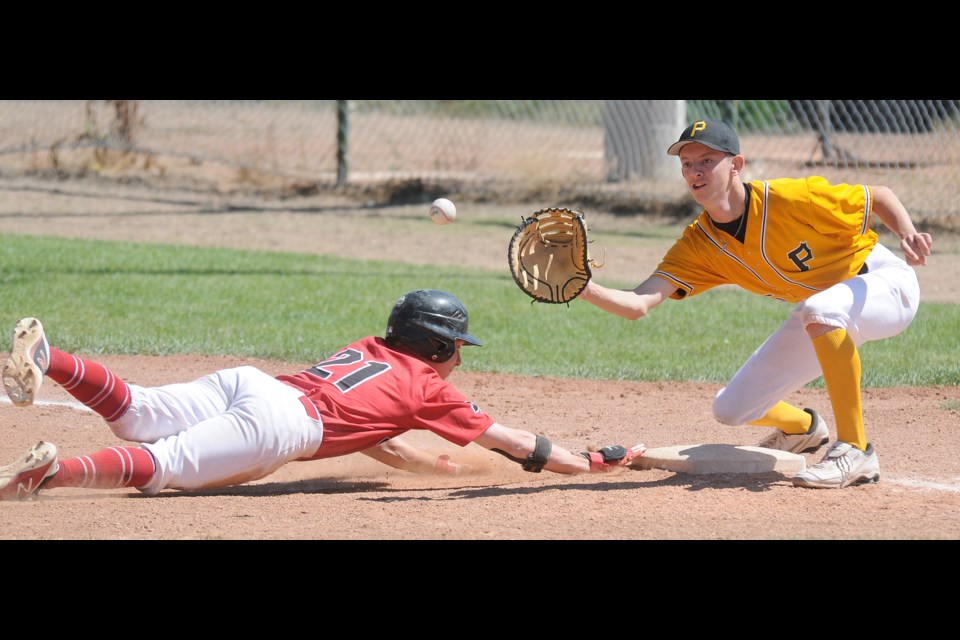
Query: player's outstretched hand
916, 247
613, 456
447, 468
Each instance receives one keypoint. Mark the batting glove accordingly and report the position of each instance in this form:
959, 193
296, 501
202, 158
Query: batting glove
609, 458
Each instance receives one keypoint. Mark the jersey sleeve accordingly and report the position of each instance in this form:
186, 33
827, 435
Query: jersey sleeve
839, 208
684, 265
448, 413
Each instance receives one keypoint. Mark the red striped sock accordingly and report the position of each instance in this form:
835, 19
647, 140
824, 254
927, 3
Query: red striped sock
110, 468
92, 384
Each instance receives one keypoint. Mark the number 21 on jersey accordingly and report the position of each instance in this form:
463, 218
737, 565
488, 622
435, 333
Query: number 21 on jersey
347, 369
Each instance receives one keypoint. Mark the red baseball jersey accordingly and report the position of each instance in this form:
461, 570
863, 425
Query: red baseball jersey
802, 236
367, 393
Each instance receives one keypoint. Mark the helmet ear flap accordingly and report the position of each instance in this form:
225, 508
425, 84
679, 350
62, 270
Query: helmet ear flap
444, 349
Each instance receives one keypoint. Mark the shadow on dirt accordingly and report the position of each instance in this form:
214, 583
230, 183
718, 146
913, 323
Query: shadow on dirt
332, 486
755, 482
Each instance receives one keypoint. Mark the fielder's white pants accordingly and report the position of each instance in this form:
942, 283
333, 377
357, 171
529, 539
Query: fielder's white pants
877, 305
228, 427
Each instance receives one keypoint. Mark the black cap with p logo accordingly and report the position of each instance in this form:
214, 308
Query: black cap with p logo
710, 133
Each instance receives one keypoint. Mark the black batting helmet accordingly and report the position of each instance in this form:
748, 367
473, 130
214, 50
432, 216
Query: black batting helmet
429, 322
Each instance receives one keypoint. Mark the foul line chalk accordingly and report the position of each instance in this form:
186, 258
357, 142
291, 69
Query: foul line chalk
54, 403
923, 484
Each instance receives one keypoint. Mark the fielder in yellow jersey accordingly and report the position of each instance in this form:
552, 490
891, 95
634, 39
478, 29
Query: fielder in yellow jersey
807, 242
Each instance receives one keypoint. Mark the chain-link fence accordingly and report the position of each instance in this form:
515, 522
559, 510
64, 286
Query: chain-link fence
616, 149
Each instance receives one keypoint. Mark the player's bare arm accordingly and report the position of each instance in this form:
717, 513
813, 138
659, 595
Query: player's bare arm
399, 454
887, 206
631, 304
526, 448
520, 444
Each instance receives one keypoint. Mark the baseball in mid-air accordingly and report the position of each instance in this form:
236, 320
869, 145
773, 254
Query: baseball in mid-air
442, 211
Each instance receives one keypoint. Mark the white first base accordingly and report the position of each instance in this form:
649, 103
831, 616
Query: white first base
720, 458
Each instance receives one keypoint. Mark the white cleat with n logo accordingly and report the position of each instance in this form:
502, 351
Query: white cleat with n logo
23, 478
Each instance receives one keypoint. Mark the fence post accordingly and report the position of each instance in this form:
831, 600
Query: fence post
342, 126
636, 136
824, 127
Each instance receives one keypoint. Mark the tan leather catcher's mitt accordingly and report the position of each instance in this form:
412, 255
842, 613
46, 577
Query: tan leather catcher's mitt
548, 255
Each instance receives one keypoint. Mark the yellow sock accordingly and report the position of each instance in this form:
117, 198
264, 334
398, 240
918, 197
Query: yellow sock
785, 417
840, 362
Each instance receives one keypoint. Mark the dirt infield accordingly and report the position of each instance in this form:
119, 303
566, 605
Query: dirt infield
354, 498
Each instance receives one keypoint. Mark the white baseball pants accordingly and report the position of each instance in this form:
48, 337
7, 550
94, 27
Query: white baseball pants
228, 427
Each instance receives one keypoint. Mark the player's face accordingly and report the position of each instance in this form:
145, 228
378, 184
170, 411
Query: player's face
707, 172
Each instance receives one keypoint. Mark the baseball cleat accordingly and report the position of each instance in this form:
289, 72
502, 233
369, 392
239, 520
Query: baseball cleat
28, 361
22, 479
842, 466
816, 436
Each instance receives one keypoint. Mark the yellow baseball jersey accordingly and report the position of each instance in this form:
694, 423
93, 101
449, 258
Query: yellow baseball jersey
802, 236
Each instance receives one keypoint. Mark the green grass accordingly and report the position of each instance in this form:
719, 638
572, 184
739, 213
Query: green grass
121, 298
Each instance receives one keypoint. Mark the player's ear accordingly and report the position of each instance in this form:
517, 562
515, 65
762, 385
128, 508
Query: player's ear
738, 161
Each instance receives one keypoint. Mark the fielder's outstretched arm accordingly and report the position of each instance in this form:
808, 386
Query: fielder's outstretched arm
631, 304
